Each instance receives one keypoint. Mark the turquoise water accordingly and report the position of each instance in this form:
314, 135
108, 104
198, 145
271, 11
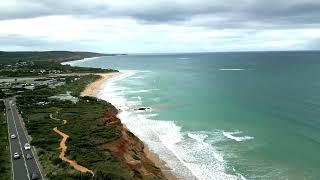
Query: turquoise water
223, 115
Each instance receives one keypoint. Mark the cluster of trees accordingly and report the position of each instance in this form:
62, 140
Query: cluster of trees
85, 129
2, 94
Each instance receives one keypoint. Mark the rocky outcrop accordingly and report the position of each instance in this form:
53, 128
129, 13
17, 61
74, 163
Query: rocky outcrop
142, 109
131, 149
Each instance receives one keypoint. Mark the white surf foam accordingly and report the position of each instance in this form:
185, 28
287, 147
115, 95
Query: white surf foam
152, 115
200, 138
73, 63
142, 91
231, 69
230, 135
187, 154
137, 97
138, 77
183, 58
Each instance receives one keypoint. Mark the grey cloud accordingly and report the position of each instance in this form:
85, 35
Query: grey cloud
210, 13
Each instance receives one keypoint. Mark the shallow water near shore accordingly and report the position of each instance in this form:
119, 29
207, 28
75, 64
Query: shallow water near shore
222, 115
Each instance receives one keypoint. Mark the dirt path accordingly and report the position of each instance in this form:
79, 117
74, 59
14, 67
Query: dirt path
64, 147
64, 121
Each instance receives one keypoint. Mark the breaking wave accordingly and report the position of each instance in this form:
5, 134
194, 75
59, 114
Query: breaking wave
231, 69
230, 135
188, 154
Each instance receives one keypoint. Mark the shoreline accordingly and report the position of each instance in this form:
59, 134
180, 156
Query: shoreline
167, 172
92, 90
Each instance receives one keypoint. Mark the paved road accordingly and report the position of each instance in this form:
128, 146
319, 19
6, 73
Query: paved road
21, 168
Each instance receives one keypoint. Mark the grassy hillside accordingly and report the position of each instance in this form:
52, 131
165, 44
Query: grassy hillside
56, 56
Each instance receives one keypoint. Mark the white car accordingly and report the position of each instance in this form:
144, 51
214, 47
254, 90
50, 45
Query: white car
13, 136
27, 146
16, 155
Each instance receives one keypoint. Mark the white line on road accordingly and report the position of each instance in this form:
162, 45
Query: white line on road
9, 136
33, 151
24, 159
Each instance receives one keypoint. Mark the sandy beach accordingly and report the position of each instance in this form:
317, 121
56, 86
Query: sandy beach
160, 164
92, 89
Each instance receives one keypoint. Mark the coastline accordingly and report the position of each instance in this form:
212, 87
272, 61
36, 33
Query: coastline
166, 171
92, 89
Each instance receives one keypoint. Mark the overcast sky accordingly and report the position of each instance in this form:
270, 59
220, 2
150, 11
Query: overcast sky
153, 26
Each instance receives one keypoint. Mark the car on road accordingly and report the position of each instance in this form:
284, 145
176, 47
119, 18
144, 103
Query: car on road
16, 155
28, 156
34, 176
13, 136
27, 146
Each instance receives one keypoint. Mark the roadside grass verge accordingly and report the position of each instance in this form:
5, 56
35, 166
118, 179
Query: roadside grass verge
5, 164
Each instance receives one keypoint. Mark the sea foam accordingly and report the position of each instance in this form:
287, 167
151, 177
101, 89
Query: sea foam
186, 153
184, 58
142, 91
230, 135
74, 63
231, 69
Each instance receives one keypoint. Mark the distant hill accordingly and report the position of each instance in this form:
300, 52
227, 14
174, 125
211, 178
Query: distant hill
56, 56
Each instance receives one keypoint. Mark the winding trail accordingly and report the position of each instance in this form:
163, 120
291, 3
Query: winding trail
64, 147
64, 121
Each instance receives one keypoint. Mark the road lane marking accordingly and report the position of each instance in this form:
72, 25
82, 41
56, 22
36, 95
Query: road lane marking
9, 136
25, 133
22, 153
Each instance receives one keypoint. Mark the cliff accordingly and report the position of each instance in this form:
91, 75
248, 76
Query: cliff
130, 149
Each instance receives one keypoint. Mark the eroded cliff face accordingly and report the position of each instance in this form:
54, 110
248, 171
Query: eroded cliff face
131, 149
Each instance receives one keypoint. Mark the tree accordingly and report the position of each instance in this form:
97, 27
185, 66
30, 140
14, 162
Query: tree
2, 94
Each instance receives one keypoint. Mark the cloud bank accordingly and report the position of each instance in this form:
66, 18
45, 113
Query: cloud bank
161, 25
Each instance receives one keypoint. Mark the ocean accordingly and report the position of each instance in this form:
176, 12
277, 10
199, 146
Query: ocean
248, 115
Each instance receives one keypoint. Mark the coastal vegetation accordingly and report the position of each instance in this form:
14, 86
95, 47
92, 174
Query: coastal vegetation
51, 106
86, 131
97, 139
46, 68
20, 64
5, 168
46, 56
